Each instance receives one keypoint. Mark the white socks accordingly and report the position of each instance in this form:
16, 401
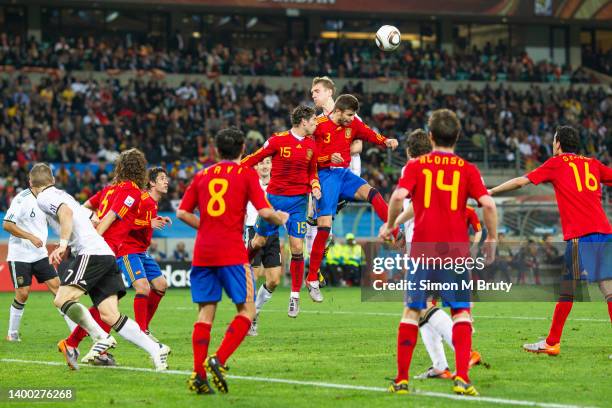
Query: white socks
71, 325
15, 314
263, 296
442, 323
81, 316
129, 330
433, 344
295, 295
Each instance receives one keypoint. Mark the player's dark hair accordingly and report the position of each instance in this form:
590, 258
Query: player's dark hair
444, 127
417, 143
41, 175
229, 143
568, 137
131, 166
302, 112
154, 172
346, 102
326, 82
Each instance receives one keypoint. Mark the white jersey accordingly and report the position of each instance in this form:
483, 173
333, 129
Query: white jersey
84, 239
24, 212
251, 217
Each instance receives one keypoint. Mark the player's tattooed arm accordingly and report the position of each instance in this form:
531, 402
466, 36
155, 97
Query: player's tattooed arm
407, 214
188, 218
510, 185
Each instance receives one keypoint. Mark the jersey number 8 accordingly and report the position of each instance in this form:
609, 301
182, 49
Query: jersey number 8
217, 188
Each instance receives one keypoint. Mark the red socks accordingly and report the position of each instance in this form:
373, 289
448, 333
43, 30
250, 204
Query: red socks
562, 310
378, 203
316, 255
78, 334
155, 296
234, 335
407, 335
609, 303
140, 310
462, 341
200, 339
297, 272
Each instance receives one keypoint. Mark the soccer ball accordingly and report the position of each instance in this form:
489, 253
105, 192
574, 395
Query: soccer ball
388, 38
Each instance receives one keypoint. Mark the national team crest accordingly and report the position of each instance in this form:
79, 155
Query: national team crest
308, 154
347, 133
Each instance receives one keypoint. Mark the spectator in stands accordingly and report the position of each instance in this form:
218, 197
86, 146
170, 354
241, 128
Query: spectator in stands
155, 252
180, 254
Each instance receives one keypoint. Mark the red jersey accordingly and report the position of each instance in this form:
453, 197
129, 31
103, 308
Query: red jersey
139, 238
99, 201
123, 199
577, 183
332, 138
294, 163
472, 219
221, 192
440, 185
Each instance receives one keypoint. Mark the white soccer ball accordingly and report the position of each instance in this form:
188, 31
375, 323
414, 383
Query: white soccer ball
388, 38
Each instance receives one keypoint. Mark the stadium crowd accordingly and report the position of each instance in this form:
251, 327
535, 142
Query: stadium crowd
67, 120
333, 58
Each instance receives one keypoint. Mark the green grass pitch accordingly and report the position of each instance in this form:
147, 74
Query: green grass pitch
342, 341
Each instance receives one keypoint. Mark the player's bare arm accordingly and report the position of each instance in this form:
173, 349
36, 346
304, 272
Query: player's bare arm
188, 218
106, 222
395, 209
64, 214
356, 147
15, 231
510, 185
274, 217
406, 215
489, 211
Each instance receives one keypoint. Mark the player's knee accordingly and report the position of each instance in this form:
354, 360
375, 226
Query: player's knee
21, 294
273, 280
160, 284
53, 285
109, 315
461, 315
297, 247
142, 287
324, 222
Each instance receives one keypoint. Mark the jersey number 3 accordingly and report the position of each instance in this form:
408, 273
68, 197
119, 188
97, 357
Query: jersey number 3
217, 188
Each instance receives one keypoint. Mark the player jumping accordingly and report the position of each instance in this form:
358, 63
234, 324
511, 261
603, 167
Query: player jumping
440, 184
221, 194
140, 269
577, 182
93, 271
294, 176
333, 135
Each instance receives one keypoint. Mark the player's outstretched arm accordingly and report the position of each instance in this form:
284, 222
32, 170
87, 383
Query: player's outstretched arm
510, 185
356, 147
188, 218
15, 231
274, 217
489, 210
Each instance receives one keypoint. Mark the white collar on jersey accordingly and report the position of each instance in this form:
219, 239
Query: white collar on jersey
300, 138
